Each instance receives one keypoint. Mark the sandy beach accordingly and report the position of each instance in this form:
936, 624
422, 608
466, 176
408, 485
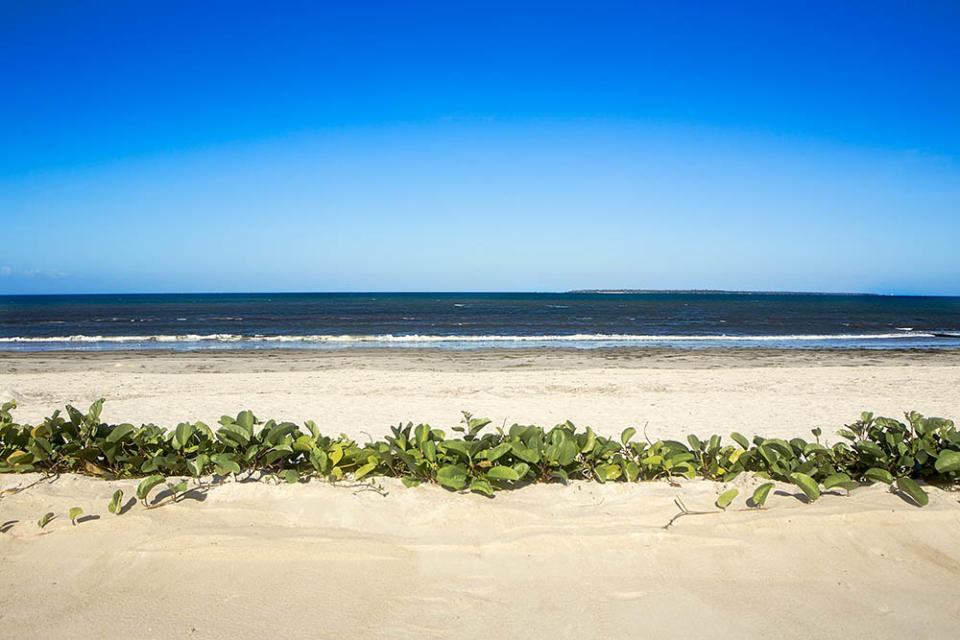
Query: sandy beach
480, 320
359, 392
583, 560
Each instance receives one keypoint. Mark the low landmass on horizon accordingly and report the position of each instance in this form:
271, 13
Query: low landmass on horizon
723, 292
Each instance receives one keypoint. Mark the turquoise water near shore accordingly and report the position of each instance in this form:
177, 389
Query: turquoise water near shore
476, 320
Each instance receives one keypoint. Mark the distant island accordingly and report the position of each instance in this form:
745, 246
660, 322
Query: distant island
724, 292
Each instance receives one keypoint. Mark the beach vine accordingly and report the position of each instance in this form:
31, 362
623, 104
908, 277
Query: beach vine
904, 455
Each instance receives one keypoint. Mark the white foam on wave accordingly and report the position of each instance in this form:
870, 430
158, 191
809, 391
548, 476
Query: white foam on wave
391, 338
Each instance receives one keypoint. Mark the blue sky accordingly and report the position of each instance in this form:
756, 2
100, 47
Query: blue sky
184, 146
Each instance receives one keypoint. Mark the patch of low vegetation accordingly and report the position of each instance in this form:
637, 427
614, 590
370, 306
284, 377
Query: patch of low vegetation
902, 454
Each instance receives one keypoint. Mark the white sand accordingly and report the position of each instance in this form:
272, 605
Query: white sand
673, 393
581, 561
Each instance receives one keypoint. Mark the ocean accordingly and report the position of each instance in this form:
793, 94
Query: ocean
476, 320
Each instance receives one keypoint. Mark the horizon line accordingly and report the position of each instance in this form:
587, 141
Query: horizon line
598, 291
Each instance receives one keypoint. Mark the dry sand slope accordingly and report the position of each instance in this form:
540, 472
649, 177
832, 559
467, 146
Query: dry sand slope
581, 561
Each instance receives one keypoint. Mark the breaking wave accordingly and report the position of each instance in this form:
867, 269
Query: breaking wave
415, 338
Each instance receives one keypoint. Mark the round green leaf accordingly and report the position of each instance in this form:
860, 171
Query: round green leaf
760, 494
912, 489
727, 497
501, 472
835, 480
114, 506
948, 462
452, 476
147, 484
878, 475
807, 484
481, 486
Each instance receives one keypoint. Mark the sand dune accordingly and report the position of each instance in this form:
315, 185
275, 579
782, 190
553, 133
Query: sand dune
584, 560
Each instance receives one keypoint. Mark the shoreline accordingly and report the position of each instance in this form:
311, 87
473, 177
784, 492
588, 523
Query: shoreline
547, 357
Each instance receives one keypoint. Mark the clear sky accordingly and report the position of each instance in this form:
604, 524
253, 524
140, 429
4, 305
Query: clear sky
365, 146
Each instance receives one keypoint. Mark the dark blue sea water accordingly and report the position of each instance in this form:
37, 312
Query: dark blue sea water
476, 320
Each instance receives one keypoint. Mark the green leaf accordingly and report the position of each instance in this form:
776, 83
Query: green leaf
948, 461
233, 435
760, 494
183, 433
481, 486
290, 476
281, 433
567, 452
461, 447
93, 413
429, 449
589, 441
527, 455
807, 484
146, 485
452, 476
410, 481
246, 420
871, 448
501, 472
365, 469
835, 480
912, 489
304, 444
847, 486
684, 469
627, 434
421, 433
878, 475
714, 445
45, 519
225, 463
677, 458
115, 506
609, 471
179, 487
75, 513
120, 432
498, 451
740, 440
727, 497
319, 461
196, 465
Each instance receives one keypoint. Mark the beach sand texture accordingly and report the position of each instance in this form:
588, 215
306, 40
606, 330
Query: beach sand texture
673, 393
577, 561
